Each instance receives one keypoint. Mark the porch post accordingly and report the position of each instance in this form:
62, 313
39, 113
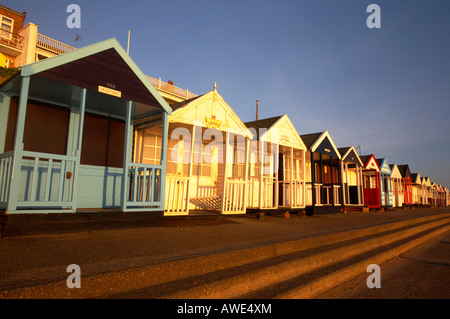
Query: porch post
191, 164
304, 177
344, 173
261, 170
247, 155
18, 144
358, 183
291, 202
224, 204
126, 157
313, 180
78, 147
164, 143
276, 160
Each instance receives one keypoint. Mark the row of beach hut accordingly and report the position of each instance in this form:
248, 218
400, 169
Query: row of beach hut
88, 131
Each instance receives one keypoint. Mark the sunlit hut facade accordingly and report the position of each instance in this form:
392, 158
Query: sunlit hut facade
434, 196
276, 177
441, 194
66, 134
371, 182
447, 196
429, 190
416, 189
387, 198
210, 174
407, 184
352, 179
324, 181
397, 186
424, 192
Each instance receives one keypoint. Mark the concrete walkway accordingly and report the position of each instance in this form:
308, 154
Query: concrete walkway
35, 259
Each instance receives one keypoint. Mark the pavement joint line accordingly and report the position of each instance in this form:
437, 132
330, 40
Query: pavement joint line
205, 261
233, 287
327, 282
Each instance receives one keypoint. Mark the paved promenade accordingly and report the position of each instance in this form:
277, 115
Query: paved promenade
41, 258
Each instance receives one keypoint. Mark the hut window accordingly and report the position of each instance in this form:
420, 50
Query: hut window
148, 147
238, 160
178, 158
308, 166
202, 159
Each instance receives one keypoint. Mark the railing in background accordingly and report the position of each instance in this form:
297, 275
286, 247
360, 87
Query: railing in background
268, 198
46, 180
295, 198
298, 200
52, 45
144, 189
234, 196
177, 188
169, 88
11, 39
336, 194
318, 194
309, 197
6, 162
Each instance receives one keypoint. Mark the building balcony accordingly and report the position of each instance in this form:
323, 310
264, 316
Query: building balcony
10, 43
170, 92
51, 46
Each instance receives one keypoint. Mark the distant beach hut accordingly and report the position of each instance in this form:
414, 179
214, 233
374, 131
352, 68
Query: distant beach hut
277, 165
324, 182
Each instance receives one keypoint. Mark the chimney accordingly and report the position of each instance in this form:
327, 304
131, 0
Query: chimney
257, 106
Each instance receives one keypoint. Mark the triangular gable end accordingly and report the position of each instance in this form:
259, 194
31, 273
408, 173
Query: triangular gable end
213, 112
325, 145
371, 163
283, 132
101, 67
351, 156
404, 170
395, 171
384, 166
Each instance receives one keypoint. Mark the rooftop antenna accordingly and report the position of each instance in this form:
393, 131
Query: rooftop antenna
77, 39
128, 46
257, 107
359, 148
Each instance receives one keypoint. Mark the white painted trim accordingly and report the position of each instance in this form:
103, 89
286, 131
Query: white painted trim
320, 140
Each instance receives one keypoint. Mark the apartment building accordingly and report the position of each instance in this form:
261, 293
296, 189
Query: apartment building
11, 43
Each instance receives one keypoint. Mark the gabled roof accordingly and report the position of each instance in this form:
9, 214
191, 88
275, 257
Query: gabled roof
321, 142
277, 129
263, 123
395, 171
309, 139
209, 107
415, 177
179, 105
101, 67
348, 154
404, 170
384, 166
370, 162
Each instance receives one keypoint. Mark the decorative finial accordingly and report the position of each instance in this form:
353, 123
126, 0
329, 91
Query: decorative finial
215, 86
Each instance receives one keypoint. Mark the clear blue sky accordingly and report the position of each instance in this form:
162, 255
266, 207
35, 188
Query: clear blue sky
387, 90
